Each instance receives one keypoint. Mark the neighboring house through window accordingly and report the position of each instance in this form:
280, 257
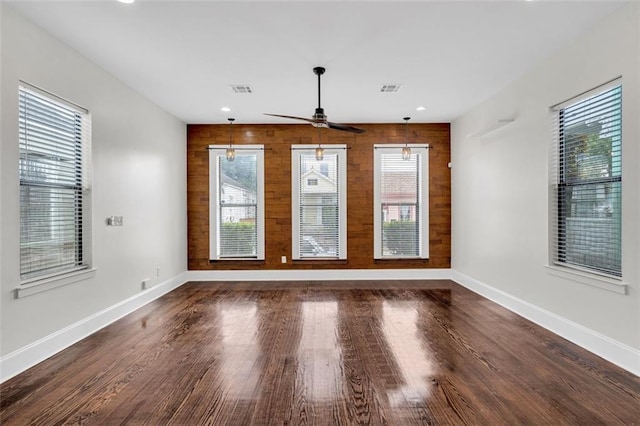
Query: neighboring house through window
55, 190
401, 202
236, 190
586, 186
319, 202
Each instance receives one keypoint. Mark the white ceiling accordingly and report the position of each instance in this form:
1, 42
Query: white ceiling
183, 55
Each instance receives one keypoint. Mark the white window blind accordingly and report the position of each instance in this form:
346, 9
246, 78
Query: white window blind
54, 140
319, 202
236, 203
586, 181
401, 202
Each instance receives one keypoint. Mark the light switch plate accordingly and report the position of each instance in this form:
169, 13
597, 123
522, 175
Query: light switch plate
114, 221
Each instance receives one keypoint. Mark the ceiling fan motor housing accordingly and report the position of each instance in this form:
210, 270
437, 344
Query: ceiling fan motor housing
319, 116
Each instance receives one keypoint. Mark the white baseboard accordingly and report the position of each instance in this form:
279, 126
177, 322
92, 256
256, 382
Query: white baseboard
320, 275
613, 351
30, 355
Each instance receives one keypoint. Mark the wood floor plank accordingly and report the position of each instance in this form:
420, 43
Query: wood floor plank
322, 353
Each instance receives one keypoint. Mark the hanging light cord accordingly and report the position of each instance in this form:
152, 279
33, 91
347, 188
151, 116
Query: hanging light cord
231, 120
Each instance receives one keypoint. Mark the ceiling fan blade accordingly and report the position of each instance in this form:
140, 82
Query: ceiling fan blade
344, 127
310, 120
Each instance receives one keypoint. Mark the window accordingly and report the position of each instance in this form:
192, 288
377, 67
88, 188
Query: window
406, 212
55, 193
401, 202
586, 186
319, 208
236, 209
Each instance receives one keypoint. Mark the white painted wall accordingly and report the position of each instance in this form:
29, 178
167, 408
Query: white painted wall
139, 172
500, 182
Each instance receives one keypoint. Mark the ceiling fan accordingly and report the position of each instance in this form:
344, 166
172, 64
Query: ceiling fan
319, 119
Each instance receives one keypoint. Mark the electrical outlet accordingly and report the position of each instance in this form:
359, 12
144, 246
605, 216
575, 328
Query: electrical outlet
158, 271
283, 259
146, 283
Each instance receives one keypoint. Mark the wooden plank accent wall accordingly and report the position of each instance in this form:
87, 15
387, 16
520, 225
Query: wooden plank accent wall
277, 140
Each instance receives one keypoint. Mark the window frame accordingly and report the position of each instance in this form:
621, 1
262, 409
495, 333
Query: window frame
558, 185
217, 154
296, 152
32, 282
423, 199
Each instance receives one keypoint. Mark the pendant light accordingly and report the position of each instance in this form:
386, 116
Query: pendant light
406, 151
319, 149
231, 153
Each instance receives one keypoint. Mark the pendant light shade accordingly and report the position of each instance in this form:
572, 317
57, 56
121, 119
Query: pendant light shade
406, 151
319, 149
231, 153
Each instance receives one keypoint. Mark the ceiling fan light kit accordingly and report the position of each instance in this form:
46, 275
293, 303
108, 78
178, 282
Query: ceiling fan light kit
319, 118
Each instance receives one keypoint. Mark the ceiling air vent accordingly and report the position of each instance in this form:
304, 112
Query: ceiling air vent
390, 88
241, 88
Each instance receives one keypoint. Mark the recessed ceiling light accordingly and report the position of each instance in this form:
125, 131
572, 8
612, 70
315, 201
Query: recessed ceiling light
126, 1
421, 108
225, 109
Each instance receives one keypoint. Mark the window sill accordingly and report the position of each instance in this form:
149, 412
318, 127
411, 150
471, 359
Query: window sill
236, 259
50, 283
392, 258
593, 280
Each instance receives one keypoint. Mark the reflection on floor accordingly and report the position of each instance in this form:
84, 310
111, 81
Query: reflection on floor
367, 352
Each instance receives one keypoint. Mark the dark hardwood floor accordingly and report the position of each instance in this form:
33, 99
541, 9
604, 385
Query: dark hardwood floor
325, 353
